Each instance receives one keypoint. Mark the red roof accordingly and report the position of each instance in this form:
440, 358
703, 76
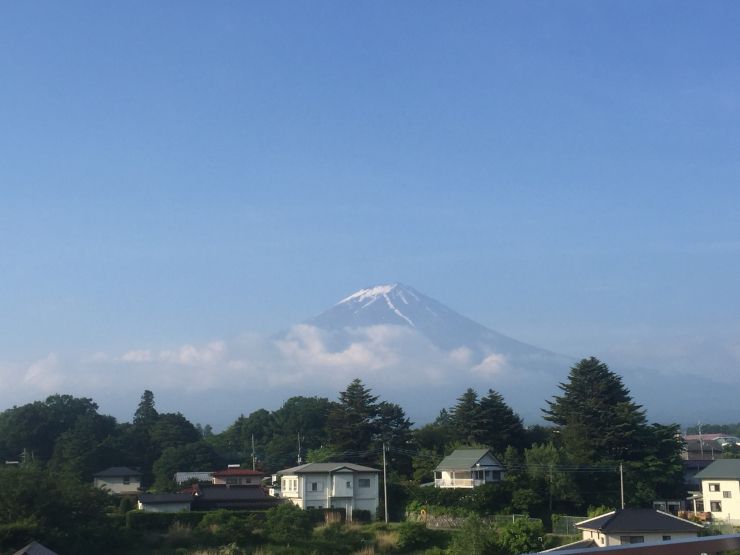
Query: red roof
238, 472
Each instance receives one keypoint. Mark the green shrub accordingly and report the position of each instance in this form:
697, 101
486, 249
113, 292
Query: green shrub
414, 536
222, 526
362, 515
287, 523
319, 516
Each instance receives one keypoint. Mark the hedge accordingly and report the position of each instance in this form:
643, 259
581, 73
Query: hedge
318, 516
140, 520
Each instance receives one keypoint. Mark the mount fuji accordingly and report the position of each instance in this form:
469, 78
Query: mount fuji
400, 305
420, 352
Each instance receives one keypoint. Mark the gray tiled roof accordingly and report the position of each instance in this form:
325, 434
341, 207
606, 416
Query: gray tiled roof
727, 469
462, 459
323, 468
35, 548
639, 520
117, 471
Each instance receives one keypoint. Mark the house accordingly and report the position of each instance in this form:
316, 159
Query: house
628, 526
720, 490
238, 477
164, 502
208, 497
710, 545
35, 548
331, 485
118, 479
199, 476
468, 468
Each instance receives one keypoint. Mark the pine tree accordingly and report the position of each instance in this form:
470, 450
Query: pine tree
465, 416
146, 415
596, 415
351, 424
500, 426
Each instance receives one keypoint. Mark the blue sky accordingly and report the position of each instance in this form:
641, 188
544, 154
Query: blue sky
180, 172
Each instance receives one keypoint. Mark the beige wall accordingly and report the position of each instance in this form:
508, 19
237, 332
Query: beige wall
116, 484
730, 505
604, 540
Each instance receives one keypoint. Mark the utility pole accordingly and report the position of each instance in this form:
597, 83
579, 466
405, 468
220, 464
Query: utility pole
621, 482
385, 488
299, 449
254, 458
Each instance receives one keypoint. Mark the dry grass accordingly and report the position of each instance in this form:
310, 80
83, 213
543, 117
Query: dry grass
365, 551
386, 541
332, 517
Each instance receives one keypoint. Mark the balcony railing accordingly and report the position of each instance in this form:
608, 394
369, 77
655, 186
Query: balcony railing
458, 483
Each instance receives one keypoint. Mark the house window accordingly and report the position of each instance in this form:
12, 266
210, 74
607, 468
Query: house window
363, 482
624, 540
231, 481
316, 486
713, 487
127, 480
666, 538
715, 506
727, 494
349, 484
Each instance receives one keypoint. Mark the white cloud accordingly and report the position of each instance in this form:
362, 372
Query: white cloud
142, 355
493, 365
44, 374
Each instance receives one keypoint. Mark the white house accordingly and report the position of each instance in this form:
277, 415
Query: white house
164, 502
468, 468
628, 526
331, 485
237, 477
720, 487
118, 479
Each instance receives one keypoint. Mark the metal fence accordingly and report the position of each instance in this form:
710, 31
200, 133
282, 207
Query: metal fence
565, 525
453, 522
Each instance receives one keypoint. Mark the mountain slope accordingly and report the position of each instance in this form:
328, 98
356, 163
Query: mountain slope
398, 304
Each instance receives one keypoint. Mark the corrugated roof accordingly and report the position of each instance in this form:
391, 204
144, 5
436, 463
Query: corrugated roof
312, 468
722, 469
117, 471
639, 520
463, 459
237, 472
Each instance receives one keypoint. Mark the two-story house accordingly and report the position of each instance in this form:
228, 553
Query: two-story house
720, 488
118, 479
468, 468
331, 485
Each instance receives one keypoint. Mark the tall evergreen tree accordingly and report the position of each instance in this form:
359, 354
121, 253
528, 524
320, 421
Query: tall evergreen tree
351, 424
465, 417
596, 414
500, 426
146, 414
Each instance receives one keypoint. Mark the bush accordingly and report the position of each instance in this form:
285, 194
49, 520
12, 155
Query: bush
339, 539
361, 515
414, 536
222, 526
287, 523
321, 516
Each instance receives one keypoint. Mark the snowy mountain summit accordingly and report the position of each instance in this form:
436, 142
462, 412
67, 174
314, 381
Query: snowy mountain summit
399, 304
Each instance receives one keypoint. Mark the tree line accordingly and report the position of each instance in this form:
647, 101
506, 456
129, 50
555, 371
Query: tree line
566, 465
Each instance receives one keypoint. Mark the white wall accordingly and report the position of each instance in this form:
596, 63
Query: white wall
730, 505
115, 484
